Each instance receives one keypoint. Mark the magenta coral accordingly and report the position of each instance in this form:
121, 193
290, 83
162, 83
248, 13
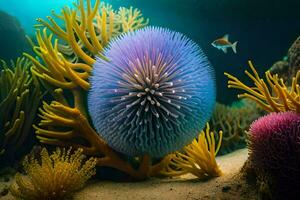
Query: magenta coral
274, 143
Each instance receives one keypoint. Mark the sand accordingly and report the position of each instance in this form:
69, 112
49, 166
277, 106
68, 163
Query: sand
230, 186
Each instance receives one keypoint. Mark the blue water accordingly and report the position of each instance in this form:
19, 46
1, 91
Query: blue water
264, 28
27, 11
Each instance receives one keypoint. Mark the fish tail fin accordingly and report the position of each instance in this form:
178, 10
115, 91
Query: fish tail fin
233, 46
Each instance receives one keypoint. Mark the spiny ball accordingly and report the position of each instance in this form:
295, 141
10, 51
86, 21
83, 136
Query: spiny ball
153, 94
274, 143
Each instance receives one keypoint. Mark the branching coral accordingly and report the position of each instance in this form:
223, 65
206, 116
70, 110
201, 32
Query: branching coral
87, 32
19, 100
55, 176
63, 116
272, 95
234, 120
65, 121
197, 158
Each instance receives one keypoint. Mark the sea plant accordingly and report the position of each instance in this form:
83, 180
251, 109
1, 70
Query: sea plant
153, 95
197, 158
272, 95
20, 97
52, 177
234, 120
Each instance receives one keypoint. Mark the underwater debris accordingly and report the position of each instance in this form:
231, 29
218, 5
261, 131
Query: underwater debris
20, 97
197, 158
273, 95
154, 94
52, 177
234, 120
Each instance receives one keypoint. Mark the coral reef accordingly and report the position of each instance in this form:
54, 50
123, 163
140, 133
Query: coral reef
197, 158
294, 57
289, 66
88, 31
63, 65
20, 97
55, 176
282, 69
12, 37
155, 93
65, 51
234, 120
273, 95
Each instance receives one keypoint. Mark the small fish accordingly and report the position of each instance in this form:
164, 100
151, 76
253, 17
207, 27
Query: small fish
223, 44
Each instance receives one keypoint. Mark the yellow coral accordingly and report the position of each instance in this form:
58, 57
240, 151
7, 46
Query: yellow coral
64, 59
56, 176
68, 58
197, 158
272, 95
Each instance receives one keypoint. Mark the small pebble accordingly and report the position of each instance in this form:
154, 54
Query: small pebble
226, 188
4, 191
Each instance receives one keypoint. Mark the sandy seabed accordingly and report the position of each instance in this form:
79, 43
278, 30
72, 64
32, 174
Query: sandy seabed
230, 186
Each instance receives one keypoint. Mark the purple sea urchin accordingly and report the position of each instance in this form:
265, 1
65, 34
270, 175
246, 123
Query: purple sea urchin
274, 143
155, 93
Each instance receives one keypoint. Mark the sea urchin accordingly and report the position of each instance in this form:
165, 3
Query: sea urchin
153, 95
274, 143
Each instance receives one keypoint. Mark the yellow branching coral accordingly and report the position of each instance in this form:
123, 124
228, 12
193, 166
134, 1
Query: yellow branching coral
88, 31
68, 52
197, 158
76, 126
64, 58
55, 176
131, 19
19, 100
272, 95
56, 69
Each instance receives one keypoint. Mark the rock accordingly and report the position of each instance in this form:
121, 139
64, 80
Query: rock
12, 38
226, 189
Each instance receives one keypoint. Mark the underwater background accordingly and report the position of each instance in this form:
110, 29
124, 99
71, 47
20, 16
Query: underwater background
264, 29
138, 90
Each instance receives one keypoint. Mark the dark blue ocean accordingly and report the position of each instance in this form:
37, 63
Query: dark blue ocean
264, 29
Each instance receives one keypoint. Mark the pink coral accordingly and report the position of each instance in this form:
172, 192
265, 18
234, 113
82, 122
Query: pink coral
274, 143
